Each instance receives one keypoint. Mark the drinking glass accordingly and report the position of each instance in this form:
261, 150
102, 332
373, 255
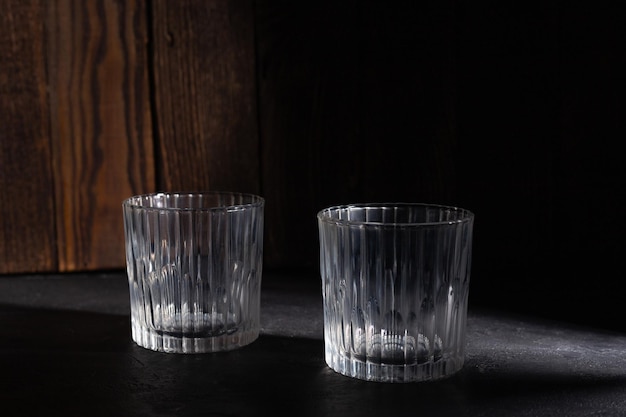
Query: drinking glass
395, 282
194, 264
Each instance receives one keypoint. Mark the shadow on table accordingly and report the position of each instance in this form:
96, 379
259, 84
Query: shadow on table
79, 362
32, 330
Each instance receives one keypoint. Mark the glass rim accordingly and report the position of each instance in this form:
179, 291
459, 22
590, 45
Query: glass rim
323, 215
255, 201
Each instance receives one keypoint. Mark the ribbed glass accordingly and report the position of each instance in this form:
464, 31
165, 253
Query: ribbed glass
194, 264
395, 281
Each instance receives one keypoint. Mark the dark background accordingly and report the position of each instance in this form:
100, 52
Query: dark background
513, 110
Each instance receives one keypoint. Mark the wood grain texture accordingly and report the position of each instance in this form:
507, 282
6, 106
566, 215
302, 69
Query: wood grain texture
204, 91
27, 228
101, 125
356, 104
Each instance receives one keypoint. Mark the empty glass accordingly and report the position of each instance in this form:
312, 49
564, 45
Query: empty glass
395, 281
194, 264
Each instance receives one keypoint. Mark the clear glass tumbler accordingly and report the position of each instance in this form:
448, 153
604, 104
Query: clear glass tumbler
194, 264
395, 282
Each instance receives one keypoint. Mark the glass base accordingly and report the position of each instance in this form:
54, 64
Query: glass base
150, 339
380, 372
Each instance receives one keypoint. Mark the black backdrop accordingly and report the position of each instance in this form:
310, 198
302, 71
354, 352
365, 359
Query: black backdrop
514, 110
541, 108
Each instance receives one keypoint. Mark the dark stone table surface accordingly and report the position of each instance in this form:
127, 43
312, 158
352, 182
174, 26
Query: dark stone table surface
65, 349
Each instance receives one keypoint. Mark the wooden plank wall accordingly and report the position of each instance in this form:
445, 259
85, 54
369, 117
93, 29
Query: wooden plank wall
100, 127
205, 95
27, 212
108, 99
76, 136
